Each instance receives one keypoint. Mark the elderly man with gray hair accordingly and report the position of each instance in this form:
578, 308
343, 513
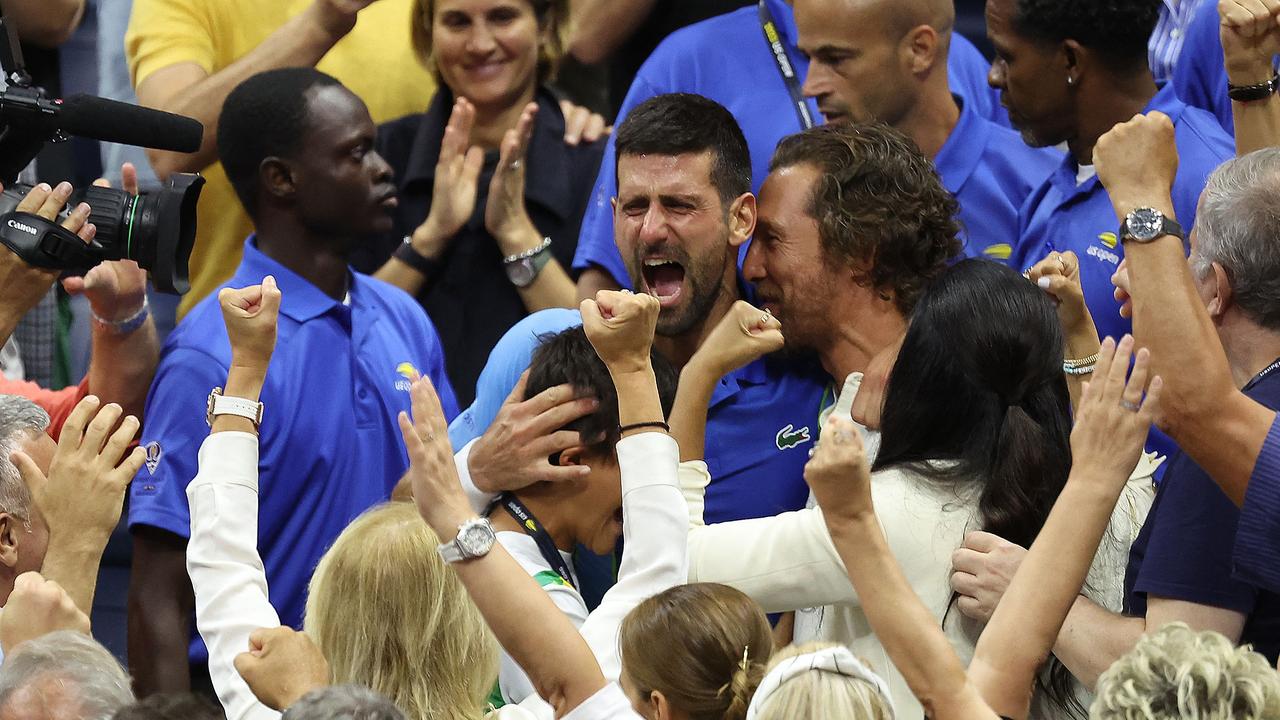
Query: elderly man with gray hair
64, 675
24, 535
1180, 566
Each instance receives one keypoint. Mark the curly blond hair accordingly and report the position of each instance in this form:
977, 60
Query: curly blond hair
390, 615
1176, 673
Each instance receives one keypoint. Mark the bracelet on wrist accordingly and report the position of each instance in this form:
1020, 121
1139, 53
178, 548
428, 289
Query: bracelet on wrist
1254, 92
641, 425
127, 325
409, 255
1080, 366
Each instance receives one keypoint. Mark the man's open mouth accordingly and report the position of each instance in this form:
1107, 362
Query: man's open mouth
663, 279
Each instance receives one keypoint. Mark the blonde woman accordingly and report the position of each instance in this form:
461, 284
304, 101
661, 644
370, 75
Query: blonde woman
820, 680
1177, 673
383, 609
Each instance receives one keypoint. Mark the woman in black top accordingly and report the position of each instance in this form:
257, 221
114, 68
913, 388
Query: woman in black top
491, 196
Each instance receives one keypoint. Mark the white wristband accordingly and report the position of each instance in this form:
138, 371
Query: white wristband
220, 404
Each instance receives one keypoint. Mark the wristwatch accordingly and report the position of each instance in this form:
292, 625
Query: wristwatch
523, 268
220, 404
475, 539
1145, 224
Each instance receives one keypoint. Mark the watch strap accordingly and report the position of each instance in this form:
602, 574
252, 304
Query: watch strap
1168, 226
220, 404
414, 259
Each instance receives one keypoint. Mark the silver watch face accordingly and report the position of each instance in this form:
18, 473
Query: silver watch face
475, 540
1145, 224
521, 273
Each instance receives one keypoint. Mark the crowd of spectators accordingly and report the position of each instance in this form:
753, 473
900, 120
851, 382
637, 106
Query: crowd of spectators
658, 359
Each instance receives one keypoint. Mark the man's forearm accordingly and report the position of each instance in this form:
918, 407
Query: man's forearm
689, 413
122, 366
638, 400
1093, 638
1201, 408
72, 561
302, 41
1257, 123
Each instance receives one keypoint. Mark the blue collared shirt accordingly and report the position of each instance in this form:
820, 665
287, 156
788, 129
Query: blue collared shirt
761, 423
1257, 549
990, 171
726, 58
1063, 215
1200, 77
1170, 33
330, 443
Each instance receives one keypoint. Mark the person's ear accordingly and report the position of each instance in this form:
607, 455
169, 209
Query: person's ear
11, 531
572, 456
1222, 296
662, 709
276, 178
742, 219
1073, 59
920, 47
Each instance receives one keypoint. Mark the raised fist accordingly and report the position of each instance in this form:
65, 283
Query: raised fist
251, 314
620, 326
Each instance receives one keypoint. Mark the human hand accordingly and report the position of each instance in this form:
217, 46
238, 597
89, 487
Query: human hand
1059, 276
1250, 33
83, 496
116, 289
620, 326
1113, 417
281, 665
37, 607
337, 17
251, 315
1121, 280
742, 335
869, 402
505, 216
21, 285
514, 451
581, 125
983, 568
839, 473
453, 194
437, 490
1137, 162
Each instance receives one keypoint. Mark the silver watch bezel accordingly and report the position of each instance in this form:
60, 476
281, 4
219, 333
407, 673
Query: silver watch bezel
1144, 224
475, 538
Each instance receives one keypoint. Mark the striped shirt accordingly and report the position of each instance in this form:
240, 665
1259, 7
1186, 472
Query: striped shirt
1166, 40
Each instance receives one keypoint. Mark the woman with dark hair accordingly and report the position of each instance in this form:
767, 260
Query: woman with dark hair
974, 436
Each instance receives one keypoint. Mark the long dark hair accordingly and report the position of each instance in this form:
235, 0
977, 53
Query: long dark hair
979, 382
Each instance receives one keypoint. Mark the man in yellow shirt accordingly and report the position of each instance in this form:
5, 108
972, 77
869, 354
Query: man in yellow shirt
187, 55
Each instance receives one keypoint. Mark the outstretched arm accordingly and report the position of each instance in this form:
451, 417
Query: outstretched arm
1250, 32
1112, 421
840, 478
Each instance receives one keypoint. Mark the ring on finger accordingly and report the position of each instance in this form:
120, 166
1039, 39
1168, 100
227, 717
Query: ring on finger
515, 165
1130, 406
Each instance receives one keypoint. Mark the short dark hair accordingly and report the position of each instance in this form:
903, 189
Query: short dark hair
568, 357
879, 204
1118, 29
265, 116
683, 123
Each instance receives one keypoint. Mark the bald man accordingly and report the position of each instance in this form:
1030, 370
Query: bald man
886, 61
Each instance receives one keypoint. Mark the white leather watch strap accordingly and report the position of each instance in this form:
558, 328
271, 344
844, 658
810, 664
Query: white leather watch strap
220, 404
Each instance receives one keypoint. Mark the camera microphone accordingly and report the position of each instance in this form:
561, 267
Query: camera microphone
117, 122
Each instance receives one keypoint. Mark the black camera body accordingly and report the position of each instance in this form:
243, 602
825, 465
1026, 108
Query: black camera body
157, 230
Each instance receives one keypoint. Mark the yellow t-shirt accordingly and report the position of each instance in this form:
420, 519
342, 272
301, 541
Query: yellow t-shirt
375, 60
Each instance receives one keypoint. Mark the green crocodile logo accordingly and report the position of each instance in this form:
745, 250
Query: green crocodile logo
788, 437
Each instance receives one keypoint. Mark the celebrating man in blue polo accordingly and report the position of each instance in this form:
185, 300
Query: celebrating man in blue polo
298, 148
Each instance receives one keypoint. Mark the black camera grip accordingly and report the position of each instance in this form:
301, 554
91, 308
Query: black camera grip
46, 244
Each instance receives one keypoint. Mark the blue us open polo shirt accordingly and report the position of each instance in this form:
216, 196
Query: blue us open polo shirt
330, 443
761, 423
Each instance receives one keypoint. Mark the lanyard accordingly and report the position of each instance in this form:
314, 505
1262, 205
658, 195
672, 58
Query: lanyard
1259, 377
534, 529
783, 62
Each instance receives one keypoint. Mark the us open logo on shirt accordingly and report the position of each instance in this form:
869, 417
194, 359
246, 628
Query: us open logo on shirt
152, 459
1109, 241
788, 437
408, 375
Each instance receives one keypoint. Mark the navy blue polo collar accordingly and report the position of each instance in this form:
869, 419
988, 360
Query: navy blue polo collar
300, 301
962, 152
547, 164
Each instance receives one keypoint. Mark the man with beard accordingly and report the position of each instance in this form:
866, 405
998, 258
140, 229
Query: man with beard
298, 148
684, 207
